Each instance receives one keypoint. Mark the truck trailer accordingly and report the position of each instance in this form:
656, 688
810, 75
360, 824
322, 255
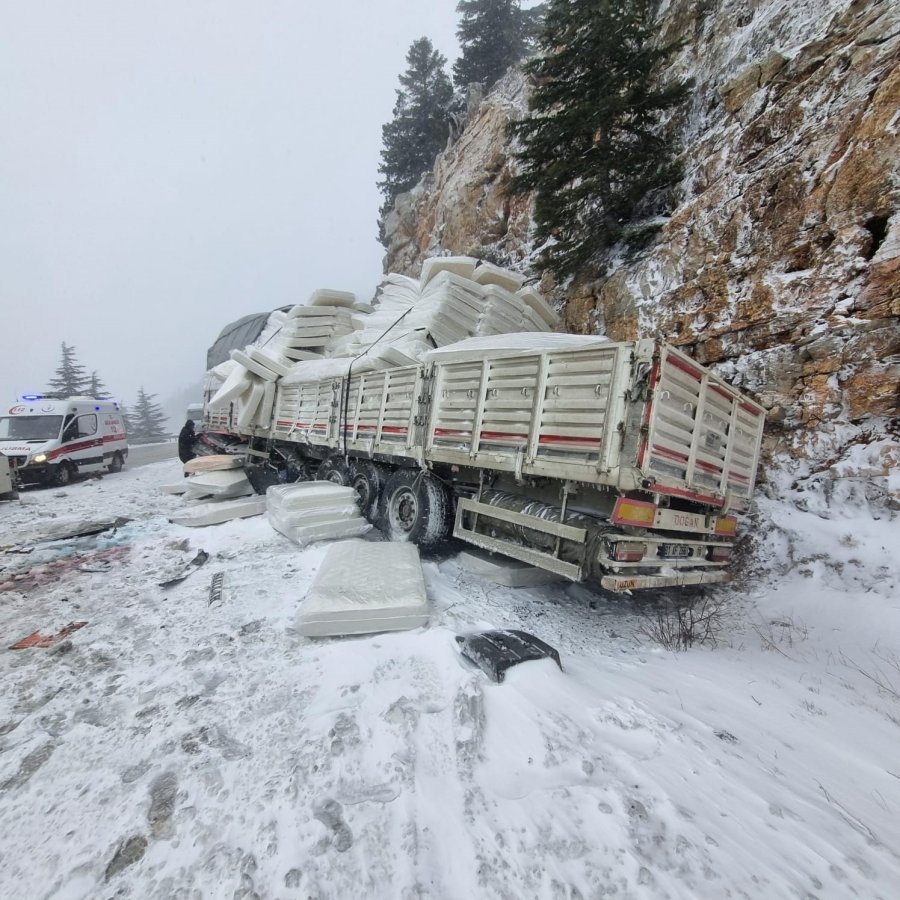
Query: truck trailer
623, 463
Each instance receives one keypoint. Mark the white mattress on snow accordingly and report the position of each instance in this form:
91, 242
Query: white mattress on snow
321, 531
364, 587
216, 513
215, 463
225, 484
309, 495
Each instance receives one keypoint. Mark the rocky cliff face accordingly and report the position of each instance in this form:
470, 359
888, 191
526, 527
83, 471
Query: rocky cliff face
781, 264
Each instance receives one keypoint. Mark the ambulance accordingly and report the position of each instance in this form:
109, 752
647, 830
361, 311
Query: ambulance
51, 441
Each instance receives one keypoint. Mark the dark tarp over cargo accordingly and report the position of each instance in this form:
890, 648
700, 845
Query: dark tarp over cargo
236, 336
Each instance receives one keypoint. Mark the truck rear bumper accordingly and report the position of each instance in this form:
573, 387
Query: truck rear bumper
621, 583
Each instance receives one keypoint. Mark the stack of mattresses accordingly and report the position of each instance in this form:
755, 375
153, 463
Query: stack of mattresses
314, 511
455, 298
362, 588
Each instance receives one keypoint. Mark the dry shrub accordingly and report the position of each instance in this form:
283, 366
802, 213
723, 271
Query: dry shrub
679, 625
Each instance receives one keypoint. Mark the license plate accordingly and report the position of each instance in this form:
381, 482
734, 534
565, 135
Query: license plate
676, 551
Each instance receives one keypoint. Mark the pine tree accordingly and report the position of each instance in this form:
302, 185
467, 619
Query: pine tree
492, 38
419, 128
96, 387
147, 419
70, 379
592, 148
127, 419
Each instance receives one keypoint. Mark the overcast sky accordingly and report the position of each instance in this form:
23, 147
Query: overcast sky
169, 166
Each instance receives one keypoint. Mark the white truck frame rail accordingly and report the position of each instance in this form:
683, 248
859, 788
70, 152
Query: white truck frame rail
617, 461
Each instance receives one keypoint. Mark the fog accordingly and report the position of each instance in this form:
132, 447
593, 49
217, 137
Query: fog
167, 167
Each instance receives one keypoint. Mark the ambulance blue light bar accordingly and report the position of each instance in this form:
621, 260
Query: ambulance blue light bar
32, 396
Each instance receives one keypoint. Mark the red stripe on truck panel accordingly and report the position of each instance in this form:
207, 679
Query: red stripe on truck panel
503, 436
565, 439
648, 412
722, 392
746, 407
684, 367
669, 454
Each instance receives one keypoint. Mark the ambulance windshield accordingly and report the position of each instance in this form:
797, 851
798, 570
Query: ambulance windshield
29, 428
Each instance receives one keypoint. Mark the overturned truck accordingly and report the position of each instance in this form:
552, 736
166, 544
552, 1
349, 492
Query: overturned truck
623, 463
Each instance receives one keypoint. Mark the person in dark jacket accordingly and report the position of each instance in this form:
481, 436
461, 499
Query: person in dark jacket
186, 442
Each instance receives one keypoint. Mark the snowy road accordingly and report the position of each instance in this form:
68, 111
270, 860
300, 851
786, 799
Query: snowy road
172, 748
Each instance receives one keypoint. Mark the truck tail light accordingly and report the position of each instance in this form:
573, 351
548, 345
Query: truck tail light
726, 526
628, 551
720, 553
634, 512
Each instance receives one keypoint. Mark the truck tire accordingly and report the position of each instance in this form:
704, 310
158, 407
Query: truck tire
62, 475
367, 479
335, 470
415, 507
116, 464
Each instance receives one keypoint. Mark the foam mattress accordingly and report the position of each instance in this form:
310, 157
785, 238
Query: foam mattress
232, 483
216, 513
364, 587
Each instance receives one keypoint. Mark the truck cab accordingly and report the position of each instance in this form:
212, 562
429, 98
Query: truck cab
51, 441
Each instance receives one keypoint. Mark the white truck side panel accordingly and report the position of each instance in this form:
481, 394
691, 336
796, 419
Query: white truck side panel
704, 437
554, 413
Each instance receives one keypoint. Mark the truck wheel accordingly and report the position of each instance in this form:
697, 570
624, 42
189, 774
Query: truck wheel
63, 474
116, 463
415, 507
367, 480
335, 470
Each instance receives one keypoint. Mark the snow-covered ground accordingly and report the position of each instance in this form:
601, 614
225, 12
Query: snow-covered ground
173, 748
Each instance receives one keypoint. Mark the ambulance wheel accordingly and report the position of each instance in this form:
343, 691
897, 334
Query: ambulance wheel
334, 470
367, 479
116, 463
63, 474
415, 507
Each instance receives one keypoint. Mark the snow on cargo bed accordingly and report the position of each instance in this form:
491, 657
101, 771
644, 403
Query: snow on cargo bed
176, 746
502, 345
